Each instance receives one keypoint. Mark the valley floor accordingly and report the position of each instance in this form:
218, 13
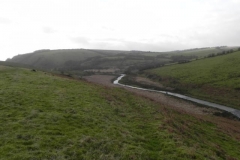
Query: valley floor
169, 101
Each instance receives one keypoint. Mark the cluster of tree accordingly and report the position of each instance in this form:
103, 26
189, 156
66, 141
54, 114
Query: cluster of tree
130, 63
196, 49
222, 53
140, 67
91, 63
192, 49
161, 56
219, 47
95, 63
182, 59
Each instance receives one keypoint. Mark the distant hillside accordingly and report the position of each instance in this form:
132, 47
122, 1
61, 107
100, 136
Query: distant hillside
204, 52
45, 116
51, 59
79, 60
85, 59
216, 79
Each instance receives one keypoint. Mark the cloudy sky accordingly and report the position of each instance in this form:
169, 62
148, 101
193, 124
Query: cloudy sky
152, 25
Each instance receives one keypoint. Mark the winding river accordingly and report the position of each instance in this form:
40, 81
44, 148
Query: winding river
235, 112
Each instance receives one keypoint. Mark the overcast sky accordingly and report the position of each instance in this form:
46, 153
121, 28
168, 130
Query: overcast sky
152, 25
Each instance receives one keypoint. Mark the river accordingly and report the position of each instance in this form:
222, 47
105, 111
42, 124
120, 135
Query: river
235, 112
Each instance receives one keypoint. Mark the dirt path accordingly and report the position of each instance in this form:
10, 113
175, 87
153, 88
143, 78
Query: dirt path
166, 100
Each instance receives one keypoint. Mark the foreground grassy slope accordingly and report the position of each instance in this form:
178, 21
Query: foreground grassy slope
216, 79
13, 64
50, 117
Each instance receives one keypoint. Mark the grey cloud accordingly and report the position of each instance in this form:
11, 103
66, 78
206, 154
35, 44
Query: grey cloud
48, 30
157, 46
107, 28
120, 44
210, 35
4, 20
80, 40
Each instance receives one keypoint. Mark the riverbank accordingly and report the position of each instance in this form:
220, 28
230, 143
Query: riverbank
166, 100
233, 111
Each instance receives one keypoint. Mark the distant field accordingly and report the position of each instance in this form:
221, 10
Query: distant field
216, 79
200, 53
45, 116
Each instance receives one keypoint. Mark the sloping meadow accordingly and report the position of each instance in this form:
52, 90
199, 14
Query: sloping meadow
45, 116
214, 79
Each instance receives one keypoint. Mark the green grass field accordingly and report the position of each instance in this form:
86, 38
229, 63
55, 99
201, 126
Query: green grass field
13, 64
45, 116
215, 79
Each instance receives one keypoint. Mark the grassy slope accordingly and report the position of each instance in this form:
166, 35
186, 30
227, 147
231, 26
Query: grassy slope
202, 52
49, 117
215, 79
13, 64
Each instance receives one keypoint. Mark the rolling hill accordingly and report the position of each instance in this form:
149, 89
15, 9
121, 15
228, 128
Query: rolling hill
204, 52
49, 59
46, 116
76, 61
214, 79
86, 59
